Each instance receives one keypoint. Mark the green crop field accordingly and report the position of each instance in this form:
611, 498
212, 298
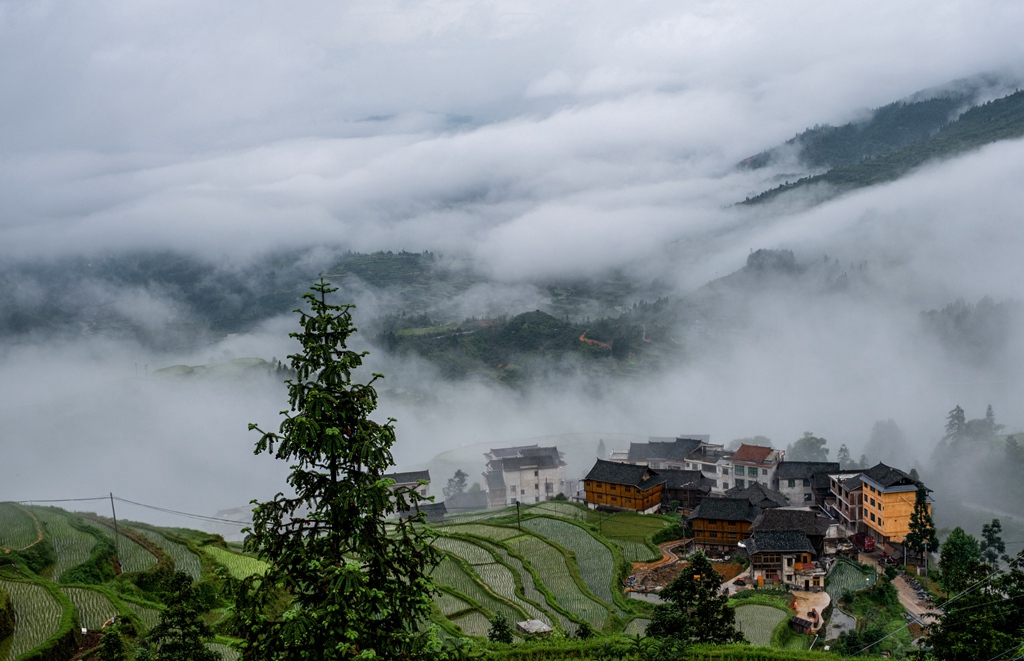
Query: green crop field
549, 563
502, 582
481, 530
530, 587
17, 527
637, 625
134, 557
481, 515
473, 623
450, 573
184, 559
93, 607
149, 616
636, 551
847, 576
226, 653
630, 532
468, 551
449, 604
757, 622
71, 545
37, 615
238, 565
595, 561
565, 511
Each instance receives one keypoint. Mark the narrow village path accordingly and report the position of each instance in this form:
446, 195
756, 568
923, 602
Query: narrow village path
596, 343
908, 597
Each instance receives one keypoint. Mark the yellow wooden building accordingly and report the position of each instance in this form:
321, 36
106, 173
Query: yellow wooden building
887, 502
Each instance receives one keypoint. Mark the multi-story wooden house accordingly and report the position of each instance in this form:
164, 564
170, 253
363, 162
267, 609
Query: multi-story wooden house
719, 524
887, 501
784, 556
623, 486
685, 488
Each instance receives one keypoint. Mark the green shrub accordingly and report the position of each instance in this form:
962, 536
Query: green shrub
6, 615
98, 569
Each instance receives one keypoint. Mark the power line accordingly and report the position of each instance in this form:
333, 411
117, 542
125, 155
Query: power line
199, 517
59, 500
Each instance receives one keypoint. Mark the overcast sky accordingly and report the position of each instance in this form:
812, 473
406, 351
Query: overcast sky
537, 138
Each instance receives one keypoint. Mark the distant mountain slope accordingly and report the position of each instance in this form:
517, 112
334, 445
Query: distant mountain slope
894, 126
997, 120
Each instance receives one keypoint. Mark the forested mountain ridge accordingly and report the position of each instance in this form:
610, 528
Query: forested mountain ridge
883, 161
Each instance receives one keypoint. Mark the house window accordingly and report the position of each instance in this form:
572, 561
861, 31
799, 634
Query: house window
549, 487
740, 483
725, 471
522, 492
872, 516
751, 471
535, 473
725, 485
807, 482
512, 489
807, 497
792, 484
536, 487
764, 471
789, 562
872, 502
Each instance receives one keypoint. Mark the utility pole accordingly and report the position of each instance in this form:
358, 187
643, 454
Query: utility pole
519, 519
117, 545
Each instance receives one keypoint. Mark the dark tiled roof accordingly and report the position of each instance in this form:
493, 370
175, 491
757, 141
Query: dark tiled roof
519, 463
679, 479
510, 452
725, 509
779, 541
410, 477
536, 451
468, 501
852, 483
676, 449
776, 519
434, 511
612, 472
800, 470
889, 477
760, 495
752, 453
495, 481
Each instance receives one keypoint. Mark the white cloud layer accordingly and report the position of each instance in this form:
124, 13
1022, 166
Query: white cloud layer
536, 138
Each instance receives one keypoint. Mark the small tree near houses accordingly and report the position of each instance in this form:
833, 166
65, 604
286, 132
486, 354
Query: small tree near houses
696, 611
921, 537
354, 578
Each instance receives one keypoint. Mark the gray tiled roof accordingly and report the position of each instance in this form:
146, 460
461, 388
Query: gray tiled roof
495, 480
614, 472
889, 477
515, 451
681, 479
409, 477
678, 449
725, 509
808, 522
800, 470
519, 463
779, 541
760, 495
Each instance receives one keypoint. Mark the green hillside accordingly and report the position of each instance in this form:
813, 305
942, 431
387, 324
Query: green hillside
561, 563
1002, 119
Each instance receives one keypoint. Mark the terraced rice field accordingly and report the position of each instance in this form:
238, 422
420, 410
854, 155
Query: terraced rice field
17, 527
450, 573
481, 515
449, 604
757, 622
847, 576
239, 566
530, 587
184, 559
481, 530
636, 551
37, 615
636, 626
473, 624
94, 608
226, 653
468, 551
502, 582
149, 616
134, 557
549, 563
71, 545
595, 561
630, 532
565, 511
